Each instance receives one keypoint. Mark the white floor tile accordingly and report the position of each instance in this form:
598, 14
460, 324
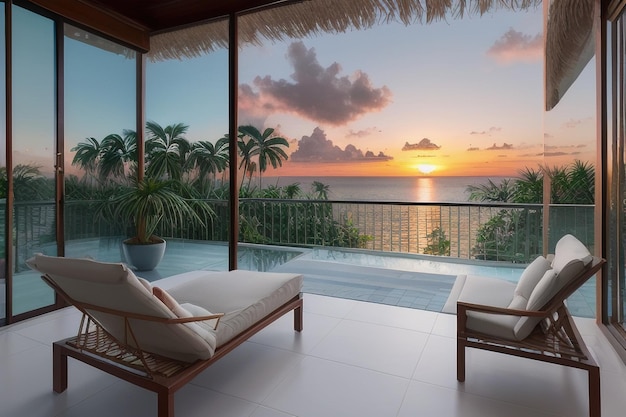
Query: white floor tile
26, 380
281, 334
404, 318
250, 372
13, 342
381, 348
549, 387
50, 331
428, 400
437, 363
318, 387
445, 325
328, 306
268, 412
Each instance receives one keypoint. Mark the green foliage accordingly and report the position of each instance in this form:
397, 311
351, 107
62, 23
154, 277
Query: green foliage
181, 191
438, 243
150, 202
513, 234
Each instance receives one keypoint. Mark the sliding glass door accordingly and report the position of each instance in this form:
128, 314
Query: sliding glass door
615, 301
33, 157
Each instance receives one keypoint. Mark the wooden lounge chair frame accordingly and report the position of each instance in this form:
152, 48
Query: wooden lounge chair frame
126, 360
555, 340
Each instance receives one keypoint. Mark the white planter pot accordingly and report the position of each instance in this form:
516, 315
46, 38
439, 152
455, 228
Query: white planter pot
144, 257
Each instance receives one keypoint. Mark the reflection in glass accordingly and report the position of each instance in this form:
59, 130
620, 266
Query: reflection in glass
34, 152
100, 142
187, 122
3, 177
616, 239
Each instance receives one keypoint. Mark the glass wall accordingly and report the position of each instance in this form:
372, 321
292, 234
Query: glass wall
187, 143
100, 142
34, 154
615, 308
3, 170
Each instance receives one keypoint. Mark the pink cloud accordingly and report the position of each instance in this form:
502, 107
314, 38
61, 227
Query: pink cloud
315, 93
515, 46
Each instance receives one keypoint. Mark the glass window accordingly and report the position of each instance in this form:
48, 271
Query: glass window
3, 170
615, 308
34, 154
187, 142
100, 141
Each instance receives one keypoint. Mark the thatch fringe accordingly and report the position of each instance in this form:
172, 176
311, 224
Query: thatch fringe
569, 45
305, 18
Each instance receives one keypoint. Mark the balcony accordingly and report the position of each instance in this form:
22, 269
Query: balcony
374, 344
394, 264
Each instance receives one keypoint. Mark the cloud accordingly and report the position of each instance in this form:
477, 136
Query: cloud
515, 46
423, 145
575, 123
471, 149
362, 133
315, 93
317, 148
486, 132
495, 147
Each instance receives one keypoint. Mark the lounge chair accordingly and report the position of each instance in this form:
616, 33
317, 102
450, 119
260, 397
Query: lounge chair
158, 339
529, 319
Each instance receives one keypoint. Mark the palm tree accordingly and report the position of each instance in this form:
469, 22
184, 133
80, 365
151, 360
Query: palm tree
166, 150
29, 184
109, 157
581, 190
251, 171
491, 191
320, 190
267, 148
87, 155
293, 190
529, 186
208, 159
246, 149
116, 152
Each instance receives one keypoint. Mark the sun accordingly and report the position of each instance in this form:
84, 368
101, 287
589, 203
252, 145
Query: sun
426, 168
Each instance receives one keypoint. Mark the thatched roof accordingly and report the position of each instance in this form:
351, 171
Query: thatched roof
569, 45
301, 19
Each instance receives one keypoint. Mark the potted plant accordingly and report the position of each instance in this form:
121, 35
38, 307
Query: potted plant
147, 204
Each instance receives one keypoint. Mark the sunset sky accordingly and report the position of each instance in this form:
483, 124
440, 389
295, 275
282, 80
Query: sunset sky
462, 97
457, 97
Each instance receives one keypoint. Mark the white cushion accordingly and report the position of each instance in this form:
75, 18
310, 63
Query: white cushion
244, 297
543, 292
489, 291
171, 303
114, 286
569, 249
527, 282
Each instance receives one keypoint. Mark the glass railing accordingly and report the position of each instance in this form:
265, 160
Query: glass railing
497, 232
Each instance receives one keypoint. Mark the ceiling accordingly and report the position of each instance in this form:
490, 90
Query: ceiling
162, 15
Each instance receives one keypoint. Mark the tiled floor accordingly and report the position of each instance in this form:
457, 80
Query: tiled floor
352, 359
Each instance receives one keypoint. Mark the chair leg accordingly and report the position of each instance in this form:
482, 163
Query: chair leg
594, 392
460, 361
297, 319
165, 404
59, 368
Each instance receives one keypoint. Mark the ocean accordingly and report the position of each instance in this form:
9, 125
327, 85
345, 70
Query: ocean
407, 189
